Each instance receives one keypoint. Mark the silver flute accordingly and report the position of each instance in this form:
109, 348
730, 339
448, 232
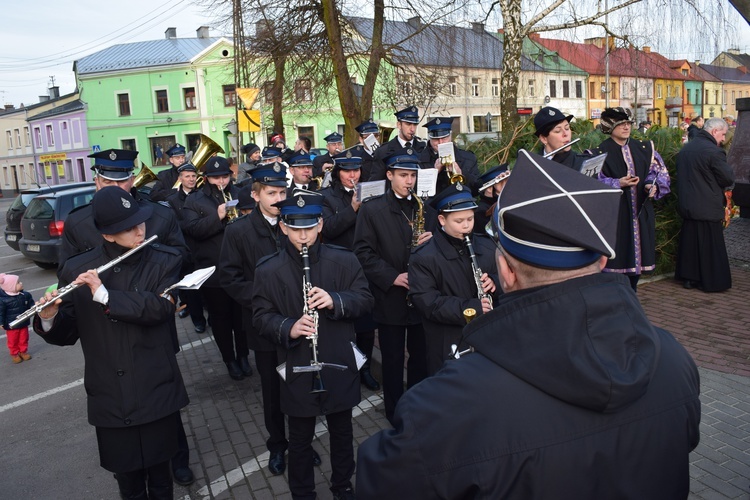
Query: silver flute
481, 294
72, 286
552, 153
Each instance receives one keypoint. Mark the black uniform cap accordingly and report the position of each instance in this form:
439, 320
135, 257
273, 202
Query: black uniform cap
115, 210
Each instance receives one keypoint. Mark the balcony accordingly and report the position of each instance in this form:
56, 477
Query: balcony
673, 102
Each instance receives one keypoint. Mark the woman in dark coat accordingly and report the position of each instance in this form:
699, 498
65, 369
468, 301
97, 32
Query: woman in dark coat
133, 384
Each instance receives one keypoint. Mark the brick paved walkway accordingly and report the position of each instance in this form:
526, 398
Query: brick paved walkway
224, 421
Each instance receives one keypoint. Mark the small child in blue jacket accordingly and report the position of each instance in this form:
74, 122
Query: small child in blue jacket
14, 301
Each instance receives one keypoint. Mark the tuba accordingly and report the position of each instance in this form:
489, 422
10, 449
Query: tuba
145, 175
205, 150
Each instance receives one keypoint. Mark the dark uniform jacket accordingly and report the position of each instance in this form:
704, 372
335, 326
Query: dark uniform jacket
81, 234
442, 286
131, 374
203, 225
480, 213
339, 218
465, 159
382, 242
247, 241
571, 393
163, 186
176, 200
318, 163
703, 174
278, 304
389, 149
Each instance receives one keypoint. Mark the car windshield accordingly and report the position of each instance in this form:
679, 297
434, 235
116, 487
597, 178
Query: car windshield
21, 201
41, 208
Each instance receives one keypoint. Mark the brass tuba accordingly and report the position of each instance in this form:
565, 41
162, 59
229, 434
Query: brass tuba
205, 150
145, 175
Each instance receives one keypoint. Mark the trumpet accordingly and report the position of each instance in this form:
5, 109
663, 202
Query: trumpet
231, 211
72, 286
447, 162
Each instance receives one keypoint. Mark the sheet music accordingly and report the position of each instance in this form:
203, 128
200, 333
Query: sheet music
368, 189
359, 356
592, 166
445, 150
426, 181
281, 370
371, 144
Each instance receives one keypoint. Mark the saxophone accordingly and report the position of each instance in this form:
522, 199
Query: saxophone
418, 222
481, 294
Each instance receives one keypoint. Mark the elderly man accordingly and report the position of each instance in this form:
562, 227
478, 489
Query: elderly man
703, 175
324, 163
570, 392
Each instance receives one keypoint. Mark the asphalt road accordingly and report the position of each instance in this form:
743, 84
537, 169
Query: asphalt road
47, 449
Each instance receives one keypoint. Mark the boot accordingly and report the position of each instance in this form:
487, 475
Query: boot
367, 379
25, 356
245, 367
233, 367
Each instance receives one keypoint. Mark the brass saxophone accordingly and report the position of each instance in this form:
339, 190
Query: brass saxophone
481, 294
418, 222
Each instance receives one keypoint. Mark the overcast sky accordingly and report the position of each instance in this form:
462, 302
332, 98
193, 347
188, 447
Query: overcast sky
38, 43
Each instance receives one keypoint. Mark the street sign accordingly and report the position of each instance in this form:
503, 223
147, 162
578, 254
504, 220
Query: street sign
96, 148
249, 120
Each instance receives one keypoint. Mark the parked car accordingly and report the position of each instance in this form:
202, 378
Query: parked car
17, 209
44, 222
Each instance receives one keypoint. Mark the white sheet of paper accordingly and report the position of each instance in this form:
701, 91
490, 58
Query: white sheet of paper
371, 144
194, 280
426, 181
446, 150
593, 166
368, 189
359, 356
281, 370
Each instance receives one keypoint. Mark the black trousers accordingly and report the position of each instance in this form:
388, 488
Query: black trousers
341, 441
154, 483
194, 304
182, 457
393, 340
270, 384
226, 323
365, 343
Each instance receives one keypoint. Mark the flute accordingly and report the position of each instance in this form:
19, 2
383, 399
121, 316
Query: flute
552, 153
72, 286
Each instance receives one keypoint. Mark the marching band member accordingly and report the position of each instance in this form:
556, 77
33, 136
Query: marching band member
322, 163
335, 294
553, 129
488, 197
406, 122
301, 168
442, 282
388, 227
366, 129
340, 208
464, 163
165, 179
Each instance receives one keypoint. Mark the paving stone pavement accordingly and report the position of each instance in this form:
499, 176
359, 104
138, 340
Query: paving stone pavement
224, 420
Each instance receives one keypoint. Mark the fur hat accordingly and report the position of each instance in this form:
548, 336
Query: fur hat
612, 117
8, 283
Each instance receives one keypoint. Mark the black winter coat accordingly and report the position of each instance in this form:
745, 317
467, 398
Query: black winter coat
203, 225
339, 218
12, 306
382, 242
702, 176
387, 150
465, 159
246, 241
162, 188
278, 304
442, 286
571, 394
131, 374
81, 234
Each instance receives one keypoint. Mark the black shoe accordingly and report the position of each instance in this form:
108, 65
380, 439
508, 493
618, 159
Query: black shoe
368, 380
316, 459
233, 367
344, 494
200, 328
687, 284
247, 370
276, 463
183, 476
183, 314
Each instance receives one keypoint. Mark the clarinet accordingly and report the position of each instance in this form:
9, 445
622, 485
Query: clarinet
306, 288
481, 294
72, 286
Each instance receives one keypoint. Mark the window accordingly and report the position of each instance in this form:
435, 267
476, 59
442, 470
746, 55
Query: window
268, 91
658, 91
9, 138
495, 87
50, 135
613, 91
684, 72
566, 88
481, 125
230, 97
188, 95
307, 132
603, 90
162, 101
452, 86
669, 91
579, 89
37, 137
532, 88
592, 88
123, 103
18, 134
128, 144
707, 97
475, 87
553, 88
688, 96
26, 136
733, 101
406, 86
724, 97
677, 91
303, 90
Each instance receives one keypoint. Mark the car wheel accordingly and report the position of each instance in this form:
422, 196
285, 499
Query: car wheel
46, 265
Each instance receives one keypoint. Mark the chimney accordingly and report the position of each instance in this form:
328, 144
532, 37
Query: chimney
9, 107
646, 49
43, 98
734, 52
170, 34
501, 31
697, 62
202, 32
54, 92
415, 22
596, 42
477, 28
